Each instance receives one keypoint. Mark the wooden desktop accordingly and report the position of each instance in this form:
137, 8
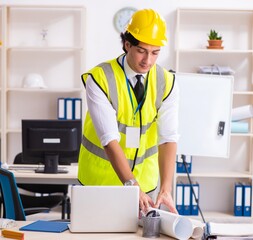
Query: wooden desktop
29, 176
67, 235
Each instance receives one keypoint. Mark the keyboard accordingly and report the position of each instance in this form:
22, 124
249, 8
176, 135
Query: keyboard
36, 168
13, 167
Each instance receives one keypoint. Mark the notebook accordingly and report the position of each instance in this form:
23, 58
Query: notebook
104, 209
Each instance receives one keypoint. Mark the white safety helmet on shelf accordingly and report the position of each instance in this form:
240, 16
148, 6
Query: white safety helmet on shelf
33, 80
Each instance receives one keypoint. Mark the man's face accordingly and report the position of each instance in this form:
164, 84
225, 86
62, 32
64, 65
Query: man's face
142, 57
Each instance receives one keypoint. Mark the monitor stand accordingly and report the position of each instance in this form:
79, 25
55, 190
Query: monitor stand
51, 165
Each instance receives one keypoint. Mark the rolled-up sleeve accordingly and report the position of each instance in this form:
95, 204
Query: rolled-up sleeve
102, 113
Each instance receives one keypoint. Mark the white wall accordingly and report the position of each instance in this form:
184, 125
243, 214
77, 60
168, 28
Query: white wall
103, 42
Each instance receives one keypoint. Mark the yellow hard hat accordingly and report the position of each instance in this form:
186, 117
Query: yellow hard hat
149, 27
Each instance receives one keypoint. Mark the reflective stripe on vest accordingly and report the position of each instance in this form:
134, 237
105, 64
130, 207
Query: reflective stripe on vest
101, 153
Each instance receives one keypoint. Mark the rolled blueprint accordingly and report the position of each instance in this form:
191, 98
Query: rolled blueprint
239, 127
242, 112
179, 227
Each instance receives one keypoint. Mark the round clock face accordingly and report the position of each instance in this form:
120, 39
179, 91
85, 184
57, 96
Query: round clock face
122, 17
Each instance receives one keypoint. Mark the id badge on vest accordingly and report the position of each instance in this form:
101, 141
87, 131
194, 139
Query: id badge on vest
132, 137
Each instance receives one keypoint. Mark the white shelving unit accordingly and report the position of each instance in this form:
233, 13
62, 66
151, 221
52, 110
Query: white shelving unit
217, 176
47, 40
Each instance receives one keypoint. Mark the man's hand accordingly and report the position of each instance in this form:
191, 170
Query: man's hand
165, 198
145, 202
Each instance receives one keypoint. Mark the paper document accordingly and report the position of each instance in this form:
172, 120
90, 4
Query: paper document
233, 238
230, 229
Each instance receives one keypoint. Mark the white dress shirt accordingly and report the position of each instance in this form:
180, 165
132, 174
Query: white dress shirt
104, 116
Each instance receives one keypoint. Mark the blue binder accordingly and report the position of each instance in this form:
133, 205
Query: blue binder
180, 198
180, 164
46, 226
69, 108
61, 109
77, 108
247, 189
194, 205
187, 199
188, 160
238, 199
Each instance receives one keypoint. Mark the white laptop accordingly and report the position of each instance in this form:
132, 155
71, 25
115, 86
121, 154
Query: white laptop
104, 209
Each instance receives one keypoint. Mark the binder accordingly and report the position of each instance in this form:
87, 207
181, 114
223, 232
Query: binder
69, 108
46, 226
61, 109
179, 198
247, 188
77, 107
187, 200
180, 165
238, 199
194, 205
188, 160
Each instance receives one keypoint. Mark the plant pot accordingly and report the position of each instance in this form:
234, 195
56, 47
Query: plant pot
215, 44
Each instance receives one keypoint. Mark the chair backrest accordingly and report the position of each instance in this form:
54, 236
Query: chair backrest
13, 208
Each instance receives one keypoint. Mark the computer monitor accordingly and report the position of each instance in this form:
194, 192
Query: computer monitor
51, 142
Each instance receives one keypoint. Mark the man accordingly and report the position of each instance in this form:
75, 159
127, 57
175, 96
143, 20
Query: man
129, 138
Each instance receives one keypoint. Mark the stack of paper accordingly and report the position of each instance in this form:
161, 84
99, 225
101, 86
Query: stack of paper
230, 229
215, 69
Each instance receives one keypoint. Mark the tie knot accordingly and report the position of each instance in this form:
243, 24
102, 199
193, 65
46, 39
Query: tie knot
138, 77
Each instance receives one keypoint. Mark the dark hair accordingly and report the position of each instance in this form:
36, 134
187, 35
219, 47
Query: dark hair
127, 36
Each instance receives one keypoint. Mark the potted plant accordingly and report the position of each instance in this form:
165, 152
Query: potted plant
215, 40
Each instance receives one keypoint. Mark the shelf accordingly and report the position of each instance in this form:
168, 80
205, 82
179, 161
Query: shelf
8, 131
243, 93
221, 217
216, 51
47, 90
241, 134
216, 176
48, 49
40, 26
205, 174
44, 40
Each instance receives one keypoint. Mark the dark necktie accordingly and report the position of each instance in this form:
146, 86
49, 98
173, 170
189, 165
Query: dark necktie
139, 88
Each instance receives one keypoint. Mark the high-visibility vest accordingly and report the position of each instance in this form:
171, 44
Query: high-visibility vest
94, 167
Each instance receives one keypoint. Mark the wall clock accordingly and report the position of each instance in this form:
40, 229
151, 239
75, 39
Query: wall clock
122, 17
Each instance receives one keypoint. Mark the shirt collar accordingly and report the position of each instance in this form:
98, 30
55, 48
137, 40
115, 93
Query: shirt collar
130, 73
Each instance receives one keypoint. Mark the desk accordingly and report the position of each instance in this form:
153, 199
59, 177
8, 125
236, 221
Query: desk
29, 176
67, 235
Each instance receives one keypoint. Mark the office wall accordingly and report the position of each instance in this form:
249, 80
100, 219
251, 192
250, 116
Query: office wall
103, 42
